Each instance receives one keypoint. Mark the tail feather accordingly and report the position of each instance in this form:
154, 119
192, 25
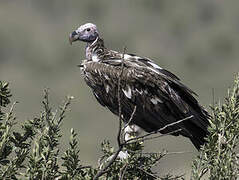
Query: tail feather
197, 134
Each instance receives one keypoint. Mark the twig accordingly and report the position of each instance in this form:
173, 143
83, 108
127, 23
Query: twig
46, 106
161, 135
143, 138
8, 123
120, 145
10, 114
161, 129
85, 167
203, 172
104, 170
119, 100
122, 171
213, 97
150, 174
130, 119
179, 152
166, 153
64, 108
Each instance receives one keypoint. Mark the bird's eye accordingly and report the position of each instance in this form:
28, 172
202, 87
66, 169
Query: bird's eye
88, 29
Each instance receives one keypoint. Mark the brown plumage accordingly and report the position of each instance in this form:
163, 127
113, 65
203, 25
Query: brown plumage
159, 96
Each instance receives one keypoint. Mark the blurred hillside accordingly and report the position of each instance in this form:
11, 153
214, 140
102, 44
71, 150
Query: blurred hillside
196, 40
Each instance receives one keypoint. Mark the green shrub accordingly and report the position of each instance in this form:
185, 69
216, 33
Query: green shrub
33, 151
218, 158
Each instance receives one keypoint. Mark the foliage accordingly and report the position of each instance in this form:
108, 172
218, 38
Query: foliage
218, 158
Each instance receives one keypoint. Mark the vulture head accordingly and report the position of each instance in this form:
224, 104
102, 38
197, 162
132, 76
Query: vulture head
86, 33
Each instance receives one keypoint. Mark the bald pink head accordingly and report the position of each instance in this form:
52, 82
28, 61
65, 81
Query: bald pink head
86, 33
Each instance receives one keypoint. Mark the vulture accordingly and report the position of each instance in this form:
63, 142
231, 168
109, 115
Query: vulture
158, 96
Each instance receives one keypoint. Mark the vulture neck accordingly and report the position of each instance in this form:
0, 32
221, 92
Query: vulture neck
95, 48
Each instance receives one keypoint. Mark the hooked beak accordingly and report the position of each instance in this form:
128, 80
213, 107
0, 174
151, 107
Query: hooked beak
74, 36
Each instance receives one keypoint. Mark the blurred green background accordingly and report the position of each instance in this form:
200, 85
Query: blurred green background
196, 40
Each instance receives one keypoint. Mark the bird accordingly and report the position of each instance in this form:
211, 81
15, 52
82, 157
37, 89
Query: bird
158, 96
